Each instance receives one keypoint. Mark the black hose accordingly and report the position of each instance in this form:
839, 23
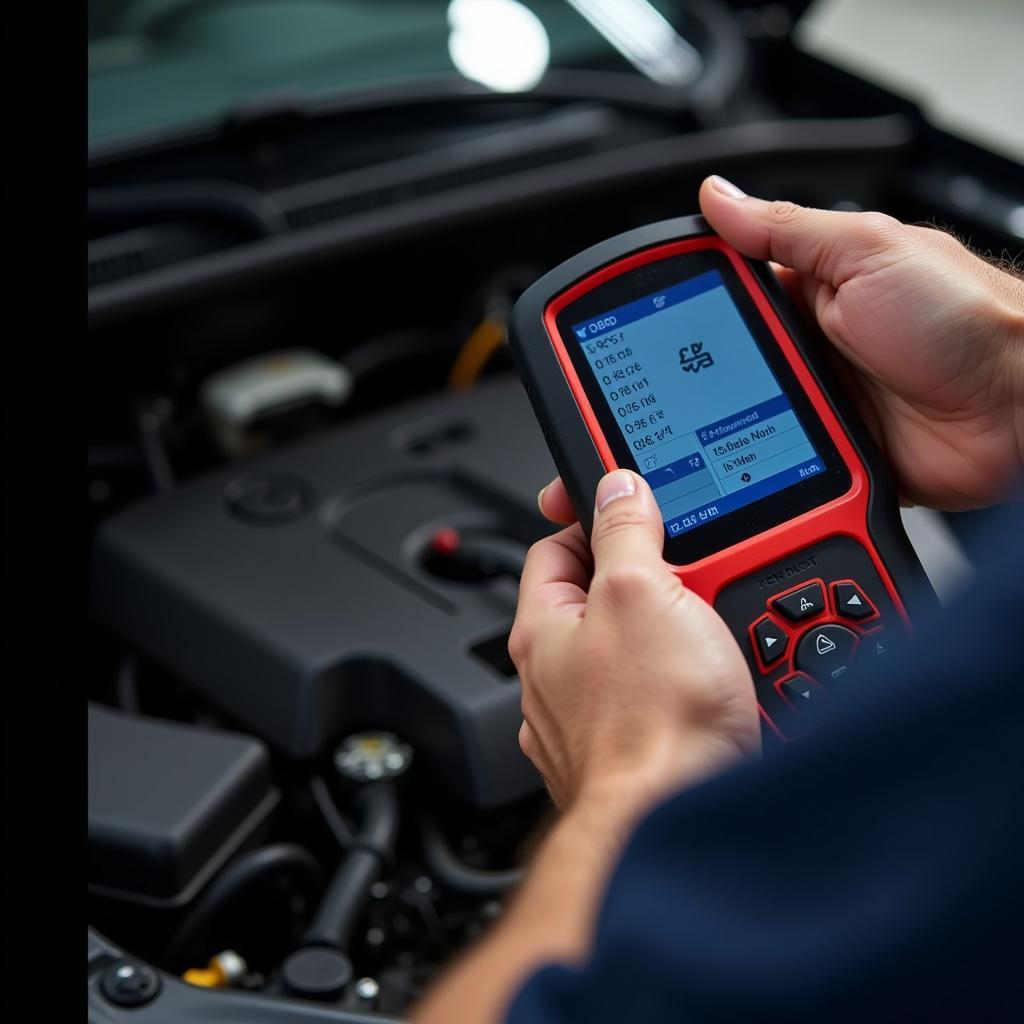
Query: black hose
344, 900
349, 889
446, 867
237, 879
494, 557
154, 451
378, 830
329, 811
128, 685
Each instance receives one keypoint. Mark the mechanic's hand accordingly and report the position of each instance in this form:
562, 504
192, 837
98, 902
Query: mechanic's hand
931, 335
630, 681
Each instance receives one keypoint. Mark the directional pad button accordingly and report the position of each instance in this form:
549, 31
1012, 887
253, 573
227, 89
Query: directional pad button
799, 691
851, 602
772, 640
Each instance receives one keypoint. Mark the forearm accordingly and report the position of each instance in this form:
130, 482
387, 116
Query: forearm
550, 919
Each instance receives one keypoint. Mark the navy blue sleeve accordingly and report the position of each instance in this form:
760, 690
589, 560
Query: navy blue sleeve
872, 872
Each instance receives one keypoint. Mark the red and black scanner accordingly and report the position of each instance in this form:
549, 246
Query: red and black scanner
665, 351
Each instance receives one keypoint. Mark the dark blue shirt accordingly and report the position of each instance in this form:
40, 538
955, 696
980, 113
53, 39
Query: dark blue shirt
872, 872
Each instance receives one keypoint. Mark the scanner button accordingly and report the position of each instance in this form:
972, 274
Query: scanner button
799, 691
851, 602
802, 604
826, 652
771, 640
873, 647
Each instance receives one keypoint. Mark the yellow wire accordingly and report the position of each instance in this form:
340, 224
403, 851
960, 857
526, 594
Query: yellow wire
487, 337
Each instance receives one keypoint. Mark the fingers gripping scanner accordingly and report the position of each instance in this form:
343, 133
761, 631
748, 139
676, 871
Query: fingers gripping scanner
664, 351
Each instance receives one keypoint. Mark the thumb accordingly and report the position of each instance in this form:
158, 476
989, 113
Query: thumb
830, 245
628, 530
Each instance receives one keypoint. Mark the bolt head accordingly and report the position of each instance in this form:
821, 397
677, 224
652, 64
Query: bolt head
367, 988
130, 983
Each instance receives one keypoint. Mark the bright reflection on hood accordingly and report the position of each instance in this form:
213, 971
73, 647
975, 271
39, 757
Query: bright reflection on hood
499, 43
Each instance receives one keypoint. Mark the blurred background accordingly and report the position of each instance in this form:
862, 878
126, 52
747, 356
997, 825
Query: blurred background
312, 470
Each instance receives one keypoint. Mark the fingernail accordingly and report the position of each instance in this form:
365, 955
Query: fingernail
619, 484
540, 498
727, 188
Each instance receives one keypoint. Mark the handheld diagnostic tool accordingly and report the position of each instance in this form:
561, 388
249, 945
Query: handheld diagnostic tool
665, 351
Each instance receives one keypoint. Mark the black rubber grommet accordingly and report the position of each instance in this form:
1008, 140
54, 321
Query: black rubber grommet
317, 972
267, 499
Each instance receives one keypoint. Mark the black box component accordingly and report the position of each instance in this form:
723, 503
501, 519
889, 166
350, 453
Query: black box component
168, 804
298, 593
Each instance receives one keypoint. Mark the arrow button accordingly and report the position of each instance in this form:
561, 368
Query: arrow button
851, 602
771, 640
799, 691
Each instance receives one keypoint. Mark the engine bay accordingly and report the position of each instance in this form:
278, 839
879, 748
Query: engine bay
312, 484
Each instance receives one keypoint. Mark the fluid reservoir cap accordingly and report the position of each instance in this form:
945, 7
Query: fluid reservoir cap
268, 499
240, 394
317, 972
372, 757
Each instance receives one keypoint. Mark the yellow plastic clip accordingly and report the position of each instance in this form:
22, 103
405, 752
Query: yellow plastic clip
222, 971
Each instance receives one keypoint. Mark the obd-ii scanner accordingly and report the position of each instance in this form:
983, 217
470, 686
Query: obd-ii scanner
665, 351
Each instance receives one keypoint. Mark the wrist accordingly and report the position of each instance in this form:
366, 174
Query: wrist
1010, 340
619, 793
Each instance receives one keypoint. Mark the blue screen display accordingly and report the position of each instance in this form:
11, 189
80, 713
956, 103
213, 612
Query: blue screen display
696, 402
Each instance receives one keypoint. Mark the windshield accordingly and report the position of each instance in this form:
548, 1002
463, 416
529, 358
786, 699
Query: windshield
160, 64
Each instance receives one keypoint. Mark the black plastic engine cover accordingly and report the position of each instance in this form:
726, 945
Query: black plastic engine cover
291, 591
168, 804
